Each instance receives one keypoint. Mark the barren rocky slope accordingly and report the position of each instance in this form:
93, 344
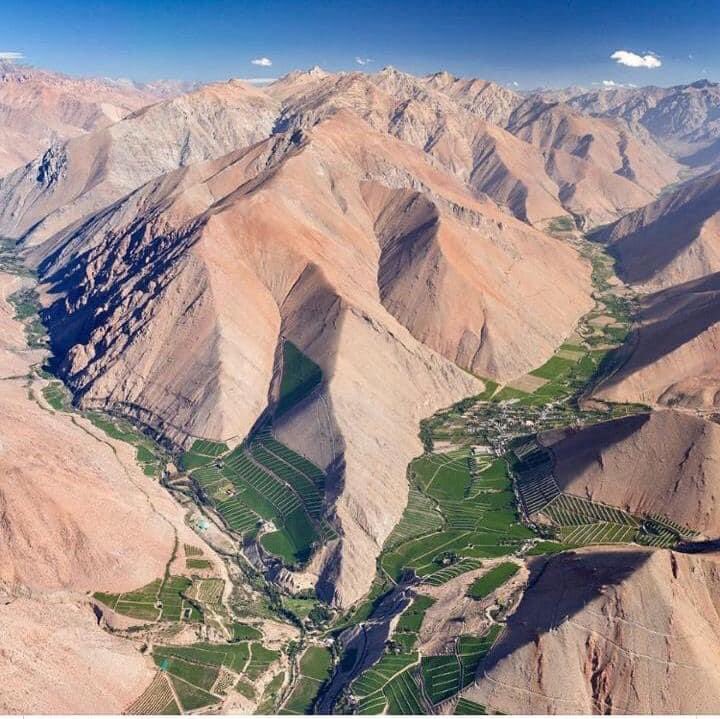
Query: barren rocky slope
665, 462
610, 631
684, 118
78, 515
89, 172
540, 160
672, 240
672, 356
40, 108
361, 226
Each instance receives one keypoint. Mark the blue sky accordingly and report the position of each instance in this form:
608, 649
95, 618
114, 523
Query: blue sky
551, 43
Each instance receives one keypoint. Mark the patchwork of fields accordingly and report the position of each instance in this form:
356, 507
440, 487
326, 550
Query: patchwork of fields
264, 482
475, 518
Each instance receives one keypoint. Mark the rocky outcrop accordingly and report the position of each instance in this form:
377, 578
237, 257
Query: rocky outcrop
39, 108
100, 168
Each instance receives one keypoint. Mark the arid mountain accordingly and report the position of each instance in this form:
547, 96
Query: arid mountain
672, 240
382, 269
539, 160
607, 630
77, 515
89, 172
672, 356
665, 462
683, 119
40, 108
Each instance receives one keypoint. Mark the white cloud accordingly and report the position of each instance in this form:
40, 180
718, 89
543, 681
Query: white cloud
610, 83
632, 59
10, 55
363, 60
262, 61
515, 84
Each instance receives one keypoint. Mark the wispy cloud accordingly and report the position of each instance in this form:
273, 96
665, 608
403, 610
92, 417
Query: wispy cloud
262, 61
363, 60
7, 55
515, 84
610, 83
632, 59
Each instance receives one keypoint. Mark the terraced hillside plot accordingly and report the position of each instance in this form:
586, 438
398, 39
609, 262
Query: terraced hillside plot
443, 476
300, 376
161, 600
482, 525
493, 579
158, 698
202, 672
412, 618
375, 678
403, 695
443, 576
57, 396
419, 518
465, 707
441, 676
315, 665
273, 499
202, 452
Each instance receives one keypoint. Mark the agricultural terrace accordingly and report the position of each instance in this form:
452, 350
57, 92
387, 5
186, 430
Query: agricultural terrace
391, 685
477, 518
300, 376
465, 707
262, 482
315, 668
486, 584
444, 676
161, 600
201, 673
577, 521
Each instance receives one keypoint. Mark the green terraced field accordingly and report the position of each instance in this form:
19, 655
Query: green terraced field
315, 665
299, 377
57, 396
492, 580
465, 707
403, 695
412, 618
161, 600
419, 518
441, 676
454, 570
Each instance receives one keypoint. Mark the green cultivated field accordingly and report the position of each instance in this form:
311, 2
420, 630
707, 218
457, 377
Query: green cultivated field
265, 481
465, 707
477, 508
492, 580
300, 377
161, 600
315, 666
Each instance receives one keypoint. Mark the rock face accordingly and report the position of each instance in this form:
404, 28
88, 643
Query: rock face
684, 118
610, 631
672, 357
377, 264
40, 108
83, 175
537, 159
672, 240
78, 515
665, 462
